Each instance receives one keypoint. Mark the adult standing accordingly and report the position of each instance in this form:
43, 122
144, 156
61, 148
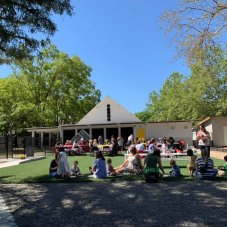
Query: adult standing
115, 147
100, 140
171, 142
203, 138
120, 141
130, 140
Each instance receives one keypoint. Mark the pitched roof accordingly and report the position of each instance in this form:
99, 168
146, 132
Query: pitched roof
98, 115
204, 121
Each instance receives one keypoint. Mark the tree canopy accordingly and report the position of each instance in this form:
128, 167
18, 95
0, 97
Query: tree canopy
20, 20
202, 94
49, 90
196, 26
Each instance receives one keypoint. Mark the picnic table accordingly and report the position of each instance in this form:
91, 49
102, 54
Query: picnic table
106, 148
164, 156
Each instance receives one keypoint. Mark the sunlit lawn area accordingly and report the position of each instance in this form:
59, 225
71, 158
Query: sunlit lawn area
37, 171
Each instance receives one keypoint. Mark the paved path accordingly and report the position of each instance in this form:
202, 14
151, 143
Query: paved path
16, 161
218, 154
6, 218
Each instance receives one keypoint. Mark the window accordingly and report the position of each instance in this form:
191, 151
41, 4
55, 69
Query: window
108, 112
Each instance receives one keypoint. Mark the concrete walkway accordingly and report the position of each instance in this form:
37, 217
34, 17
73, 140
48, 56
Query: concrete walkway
16, 161
218, 154
6, 218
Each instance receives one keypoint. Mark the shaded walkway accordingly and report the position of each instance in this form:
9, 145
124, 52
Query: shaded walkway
6, 218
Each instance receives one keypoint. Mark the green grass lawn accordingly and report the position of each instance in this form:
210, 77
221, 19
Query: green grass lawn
37, 171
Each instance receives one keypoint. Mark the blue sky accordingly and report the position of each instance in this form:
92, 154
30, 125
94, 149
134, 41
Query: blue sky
122, 41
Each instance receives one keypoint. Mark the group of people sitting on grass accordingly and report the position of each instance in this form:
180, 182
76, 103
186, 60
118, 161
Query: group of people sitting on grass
59, 167
201, 168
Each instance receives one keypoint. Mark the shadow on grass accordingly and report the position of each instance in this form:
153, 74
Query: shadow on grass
132, 177
48, 179
4, 177
168, 167
82, 178
79, 179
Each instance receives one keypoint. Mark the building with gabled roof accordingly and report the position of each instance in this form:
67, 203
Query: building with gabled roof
108, 118
106, 112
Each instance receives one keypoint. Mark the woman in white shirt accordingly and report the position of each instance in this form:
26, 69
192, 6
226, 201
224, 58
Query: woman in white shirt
203, 137
132, 164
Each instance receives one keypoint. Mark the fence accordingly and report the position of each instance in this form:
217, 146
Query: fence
13, 147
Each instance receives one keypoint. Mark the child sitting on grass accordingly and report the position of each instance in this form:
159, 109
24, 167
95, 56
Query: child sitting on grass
175, 171
224, 168
53, 168
75, 170
109, 168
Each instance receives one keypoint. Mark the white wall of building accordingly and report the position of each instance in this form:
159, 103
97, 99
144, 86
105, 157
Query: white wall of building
219, 132
178, 130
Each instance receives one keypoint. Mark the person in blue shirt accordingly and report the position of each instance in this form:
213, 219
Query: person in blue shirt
175, 171
152, 145
99, 167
